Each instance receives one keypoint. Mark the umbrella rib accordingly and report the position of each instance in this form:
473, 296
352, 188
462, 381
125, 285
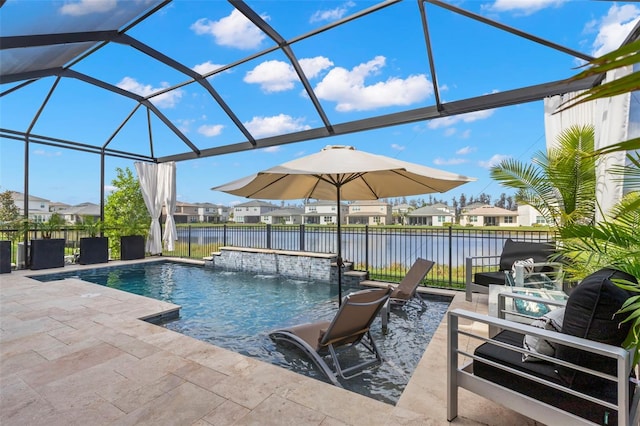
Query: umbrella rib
337, 182
416, 181
265, 186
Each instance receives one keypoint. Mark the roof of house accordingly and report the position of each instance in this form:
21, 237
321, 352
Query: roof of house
256, 203
20, 196
83, 209
430, 211
490, 211
474, 206
403, 206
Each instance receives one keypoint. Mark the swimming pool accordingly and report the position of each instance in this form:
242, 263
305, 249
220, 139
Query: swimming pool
237, 310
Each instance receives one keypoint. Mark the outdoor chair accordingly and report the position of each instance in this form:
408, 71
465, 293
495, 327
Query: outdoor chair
498, 269
348, 329
407, 291
568, 367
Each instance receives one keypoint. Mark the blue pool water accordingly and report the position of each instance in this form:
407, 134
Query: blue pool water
237, 310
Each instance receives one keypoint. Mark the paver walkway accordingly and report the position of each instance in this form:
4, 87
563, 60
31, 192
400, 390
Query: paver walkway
76, 353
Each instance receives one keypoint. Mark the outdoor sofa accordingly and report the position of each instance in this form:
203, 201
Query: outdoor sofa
482, 271
579, 374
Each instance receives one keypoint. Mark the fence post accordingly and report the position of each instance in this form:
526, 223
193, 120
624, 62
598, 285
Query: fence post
224, 234
302, 237
189, 241
450, 255
366, 247
268, 235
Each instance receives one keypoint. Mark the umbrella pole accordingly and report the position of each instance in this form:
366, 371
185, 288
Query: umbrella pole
339, 260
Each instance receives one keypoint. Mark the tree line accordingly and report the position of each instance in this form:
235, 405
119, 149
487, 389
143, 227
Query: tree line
504, 201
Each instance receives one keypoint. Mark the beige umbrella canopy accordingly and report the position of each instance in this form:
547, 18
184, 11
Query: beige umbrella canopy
343, 173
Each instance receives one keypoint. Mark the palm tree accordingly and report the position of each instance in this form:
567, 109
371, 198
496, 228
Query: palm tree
614, 241
559, 183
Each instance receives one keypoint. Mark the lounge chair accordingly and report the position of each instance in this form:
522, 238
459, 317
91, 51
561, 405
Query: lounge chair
480, 280
348, 328
407, 290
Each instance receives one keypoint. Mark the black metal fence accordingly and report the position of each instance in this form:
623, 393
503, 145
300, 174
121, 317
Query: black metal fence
385, 252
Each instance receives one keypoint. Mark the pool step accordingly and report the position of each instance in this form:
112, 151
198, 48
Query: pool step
208, 260
356, 274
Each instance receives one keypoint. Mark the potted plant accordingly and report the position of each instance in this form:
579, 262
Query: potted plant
48, 252
131, 247
132, 242
94, 248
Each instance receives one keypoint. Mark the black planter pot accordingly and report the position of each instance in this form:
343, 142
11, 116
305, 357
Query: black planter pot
94, 250
47, 253
5, 257
131, 247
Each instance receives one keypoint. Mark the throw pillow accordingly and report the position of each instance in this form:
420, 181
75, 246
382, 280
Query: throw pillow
550, 321
517, 250
591, 313
526, 263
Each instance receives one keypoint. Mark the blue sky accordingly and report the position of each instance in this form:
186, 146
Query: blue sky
373, 66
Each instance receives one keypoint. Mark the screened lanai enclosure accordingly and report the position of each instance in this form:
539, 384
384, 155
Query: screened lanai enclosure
63, 64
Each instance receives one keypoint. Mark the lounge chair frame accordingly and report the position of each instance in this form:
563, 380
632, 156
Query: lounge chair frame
332, 345
462, 376
410, 283
493, 263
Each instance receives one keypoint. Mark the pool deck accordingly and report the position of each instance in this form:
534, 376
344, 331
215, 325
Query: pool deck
76, 353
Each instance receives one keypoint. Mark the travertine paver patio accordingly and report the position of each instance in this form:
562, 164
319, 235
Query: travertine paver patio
73, 352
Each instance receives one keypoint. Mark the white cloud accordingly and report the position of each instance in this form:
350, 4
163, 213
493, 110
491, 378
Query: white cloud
331, 14
465, 134
466, 150
210, 130
614, 28
397, 147
450, 162
234, 30
493, 161
86, 7
465, 118
278, 76
184, 124
276, 125
110, 188
271, 149
450, 131
349, 91
314, 66
525, 7
46, 153
272, 76
206, 67
166, 100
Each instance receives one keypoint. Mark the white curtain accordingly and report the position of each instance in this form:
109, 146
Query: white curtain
610, 118
167, 182
578, 115
613, 120
148, 178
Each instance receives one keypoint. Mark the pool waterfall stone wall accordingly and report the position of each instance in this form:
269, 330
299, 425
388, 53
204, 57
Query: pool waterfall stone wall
291, 264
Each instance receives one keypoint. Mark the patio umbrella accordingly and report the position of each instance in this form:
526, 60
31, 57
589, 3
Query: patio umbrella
339, 173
